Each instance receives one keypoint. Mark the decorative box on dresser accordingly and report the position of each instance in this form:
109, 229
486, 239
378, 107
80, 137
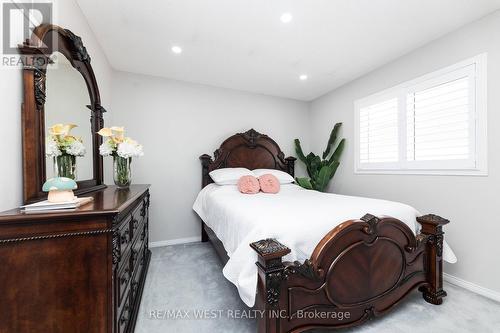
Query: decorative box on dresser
75, 271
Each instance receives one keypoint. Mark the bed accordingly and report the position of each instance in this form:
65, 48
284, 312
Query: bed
304, 259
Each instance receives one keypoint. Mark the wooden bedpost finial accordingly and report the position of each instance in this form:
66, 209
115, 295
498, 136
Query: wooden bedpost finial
271, 268
205, 159
432, 228
290, 165
431, 223
270, 248
432, 219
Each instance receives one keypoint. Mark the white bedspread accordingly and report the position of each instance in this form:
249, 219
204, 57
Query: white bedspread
296, 217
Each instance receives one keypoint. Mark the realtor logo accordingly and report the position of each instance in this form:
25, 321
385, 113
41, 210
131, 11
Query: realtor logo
18, 21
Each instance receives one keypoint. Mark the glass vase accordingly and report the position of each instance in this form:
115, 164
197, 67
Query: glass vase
122, 174
65, 166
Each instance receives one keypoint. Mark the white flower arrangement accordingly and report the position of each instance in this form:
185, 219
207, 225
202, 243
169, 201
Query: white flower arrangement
60, 141
116, 144
51, 148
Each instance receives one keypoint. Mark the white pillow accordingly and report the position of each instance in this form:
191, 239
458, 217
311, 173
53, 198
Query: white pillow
282, 176
229, 176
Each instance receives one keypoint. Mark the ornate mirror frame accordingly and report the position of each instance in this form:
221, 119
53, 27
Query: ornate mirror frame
35, 55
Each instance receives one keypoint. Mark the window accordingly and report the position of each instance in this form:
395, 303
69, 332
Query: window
435, 124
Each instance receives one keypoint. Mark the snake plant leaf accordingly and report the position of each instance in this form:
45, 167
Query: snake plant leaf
300, 153
304, 182
331, 140
338, 151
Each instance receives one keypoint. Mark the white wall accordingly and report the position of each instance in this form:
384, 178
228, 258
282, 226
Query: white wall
470, 202
67, 15
177, 122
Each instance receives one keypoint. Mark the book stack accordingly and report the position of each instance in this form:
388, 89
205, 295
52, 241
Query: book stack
63, 206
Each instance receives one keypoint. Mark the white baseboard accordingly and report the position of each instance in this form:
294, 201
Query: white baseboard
175, 241
491, 294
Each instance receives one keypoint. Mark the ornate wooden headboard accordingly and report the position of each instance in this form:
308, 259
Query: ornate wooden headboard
250, 150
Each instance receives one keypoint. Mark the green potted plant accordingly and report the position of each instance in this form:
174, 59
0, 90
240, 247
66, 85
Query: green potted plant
321, 170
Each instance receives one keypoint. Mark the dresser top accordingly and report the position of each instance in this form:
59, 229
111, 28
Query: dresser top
108, 201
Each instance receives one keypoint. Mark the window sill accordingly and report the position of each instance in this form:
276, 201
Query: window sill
481, 173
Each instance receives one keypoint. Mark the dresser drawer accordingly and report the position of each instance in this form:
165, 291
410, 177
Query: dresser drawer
125, 237
138, 215
135, 255
124, 318
138, 271
122, 281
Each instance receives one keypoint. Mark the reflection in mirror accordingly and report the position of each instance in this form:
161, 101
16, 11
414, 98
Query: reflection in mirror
66, 100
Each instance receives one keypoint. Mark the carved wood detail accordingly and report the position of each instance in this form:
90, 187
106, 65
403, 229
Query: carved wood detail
77, 49
372, 222
45, 40
116, 251
250, 149
305, 269
268, 246
363, 266
39, 88
432, 228
53, 236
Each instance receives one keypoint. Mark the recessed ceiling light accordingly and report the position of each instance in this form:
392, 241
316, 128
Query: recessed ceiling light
303, 77
176, 49
286, 17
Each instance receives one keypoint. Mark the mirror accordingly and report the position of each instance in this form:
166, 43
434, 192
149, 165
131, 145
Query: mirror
66, 98
59, 88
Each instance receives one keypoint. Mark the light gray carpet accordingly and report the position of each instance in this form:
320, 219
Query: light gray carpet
189, 278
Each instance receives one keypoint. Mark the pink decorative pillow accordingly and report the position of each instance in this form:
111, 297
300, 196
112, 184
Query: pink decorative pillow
248, 185
269, 183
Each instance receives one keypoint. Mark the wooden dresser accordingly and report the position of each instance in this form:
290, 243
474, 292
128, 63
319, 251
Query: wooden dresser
76, 271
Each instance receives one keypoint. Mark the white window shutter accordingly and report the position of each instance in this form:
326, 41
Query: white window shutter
435, 124
378, 132
439, 121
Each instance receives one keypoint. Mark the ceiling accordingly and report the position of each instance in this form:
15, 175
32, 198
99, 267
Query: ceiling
243, 44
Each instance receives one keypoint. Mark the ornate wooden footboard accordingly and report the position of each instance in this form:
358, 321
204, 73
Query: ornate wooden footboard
359, 270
